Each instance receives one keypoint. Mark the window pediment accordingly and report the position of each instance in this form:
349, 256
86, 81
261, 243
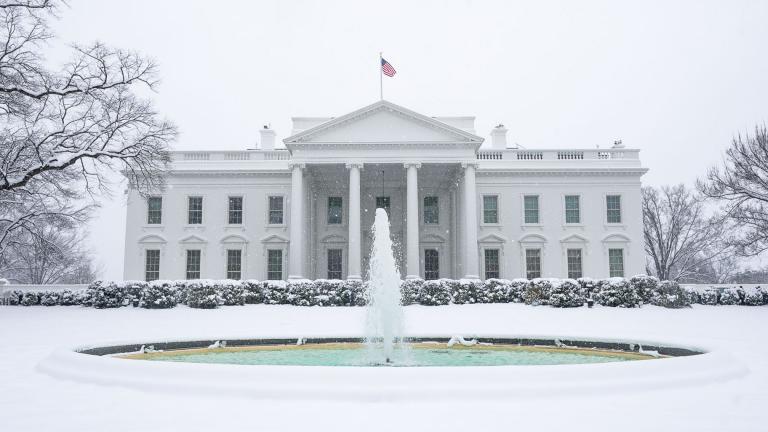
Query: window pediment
274, 239
193, 239
153, 238
533, 238
233, 238
616, 238
574, 238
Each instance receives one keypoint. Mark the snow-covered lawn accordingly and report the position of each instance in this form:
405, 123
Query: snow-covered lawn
30, 400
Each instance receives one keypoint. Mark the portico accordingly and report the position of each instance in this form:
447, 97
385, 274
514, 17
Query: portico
389, 154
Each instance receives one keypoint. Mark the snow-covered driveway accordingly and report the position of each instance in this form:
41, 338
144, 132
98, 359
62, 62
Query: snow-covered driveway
30, 400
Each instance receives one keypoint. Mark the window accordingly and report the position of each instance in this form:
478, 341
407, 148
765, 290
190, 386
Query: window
234, 263
574, 263
275, 210
613, 208
274, 264
572, 209
235, 210
533, 263
195, 212
152, 266
334, 210
490, 209
491, 263
193, 264
383, 202
334, 263
155, 210
531, 209
616, 262
431, 210
431, 264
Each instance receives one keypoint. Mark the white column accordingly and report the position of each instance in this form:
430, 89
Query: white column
353, 259
296, 256
471, 265
412, 221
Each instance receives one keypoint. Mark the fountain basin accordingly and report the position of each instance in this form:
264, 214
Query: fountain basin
682, 366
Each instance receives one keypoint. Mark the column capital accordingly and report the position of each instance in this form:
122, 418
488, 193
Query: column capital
466, 164
350, 165
417, 165
299, 165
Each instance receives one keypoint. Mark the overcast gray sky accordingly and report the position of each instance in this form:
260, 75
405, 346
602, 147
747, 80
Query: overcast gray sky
675, 79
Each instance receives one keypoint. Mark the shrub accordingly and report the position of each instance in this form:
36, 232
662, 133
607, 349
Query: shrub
729, 296
537, 292
566, 293
50, 298
202, 295
69, 298
754, 296
157, 295
29, 298
589, 287
352, 293
231, 292
516, 290
710, 296
276, 292
409, 291
617, 292
645, 286
434, 293
102, 295
253, 291
497, 290
668, 294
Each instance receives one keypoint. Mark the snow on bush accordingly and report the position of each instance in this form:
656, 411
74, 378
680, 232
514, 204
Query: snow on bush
102, 295
646, 286
352, 293
497, 290
276, 292
537, 291
754, 296
157, 295
589, 287
710, 296
50, 298
409, 291
729, 296
435, 293
202, 294
617, 292
566, 293
231, 292
253, 291
668, 294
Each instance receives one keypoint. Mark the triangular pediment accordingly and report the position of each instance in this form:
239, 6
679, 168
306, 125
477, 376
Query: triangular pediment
383, 122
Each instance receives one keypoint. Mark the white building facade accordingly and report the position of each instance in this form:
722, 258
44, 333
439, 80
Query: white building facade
456, 210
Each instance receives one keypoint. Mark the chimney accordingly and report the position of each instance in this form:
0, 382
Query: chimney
499, 137
267, 138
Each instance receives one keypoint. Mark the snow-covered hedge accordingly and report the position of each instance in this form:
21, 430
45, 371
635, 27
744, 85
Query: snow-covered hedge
613, 292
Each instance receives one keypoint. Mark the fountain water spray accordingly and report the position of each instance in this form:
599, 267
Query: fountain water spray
384, 324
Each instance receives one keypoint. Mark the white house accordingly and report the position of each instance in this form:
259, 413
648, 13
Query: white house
456, 210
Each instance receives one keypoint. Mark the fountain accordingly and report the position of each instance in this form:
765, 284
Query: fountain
384, 319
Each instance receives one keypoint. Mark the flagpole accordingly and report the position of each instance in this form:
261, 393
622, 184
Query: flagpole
381, 78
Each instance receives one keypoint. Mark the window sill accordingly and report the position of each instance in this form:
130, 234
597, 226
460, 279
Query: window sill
282, 225
573, 225
536, 225
194, 226
153, 226
490, 224
235, 226
614, 225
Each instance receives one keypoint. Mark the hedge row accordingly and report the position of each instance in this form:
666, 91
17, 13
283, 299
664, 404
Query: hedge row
208, 294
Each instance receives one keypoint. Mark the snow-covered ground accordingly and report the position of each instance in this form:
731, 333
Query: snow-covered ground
31, 400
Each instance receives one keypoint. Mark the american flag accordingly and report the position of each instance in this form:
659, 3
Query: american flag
387, 68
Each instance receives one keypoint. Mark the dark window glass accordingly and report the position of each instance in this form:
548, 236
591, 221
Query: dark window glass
193, 264
533, 263
574, 263
383, 202
195, 216
235, 210
234, 263
431, 264
334, 210
276, 210
613, 208
152, 265
431, 210
491, 263
155, 210
275, 264
531, 203
616, 262
334, 263
490, 209
572, 209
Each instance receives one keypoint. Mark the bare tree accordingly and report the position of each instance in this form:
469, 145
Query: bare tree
54, 254
63, 130
681, 241
742, 186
